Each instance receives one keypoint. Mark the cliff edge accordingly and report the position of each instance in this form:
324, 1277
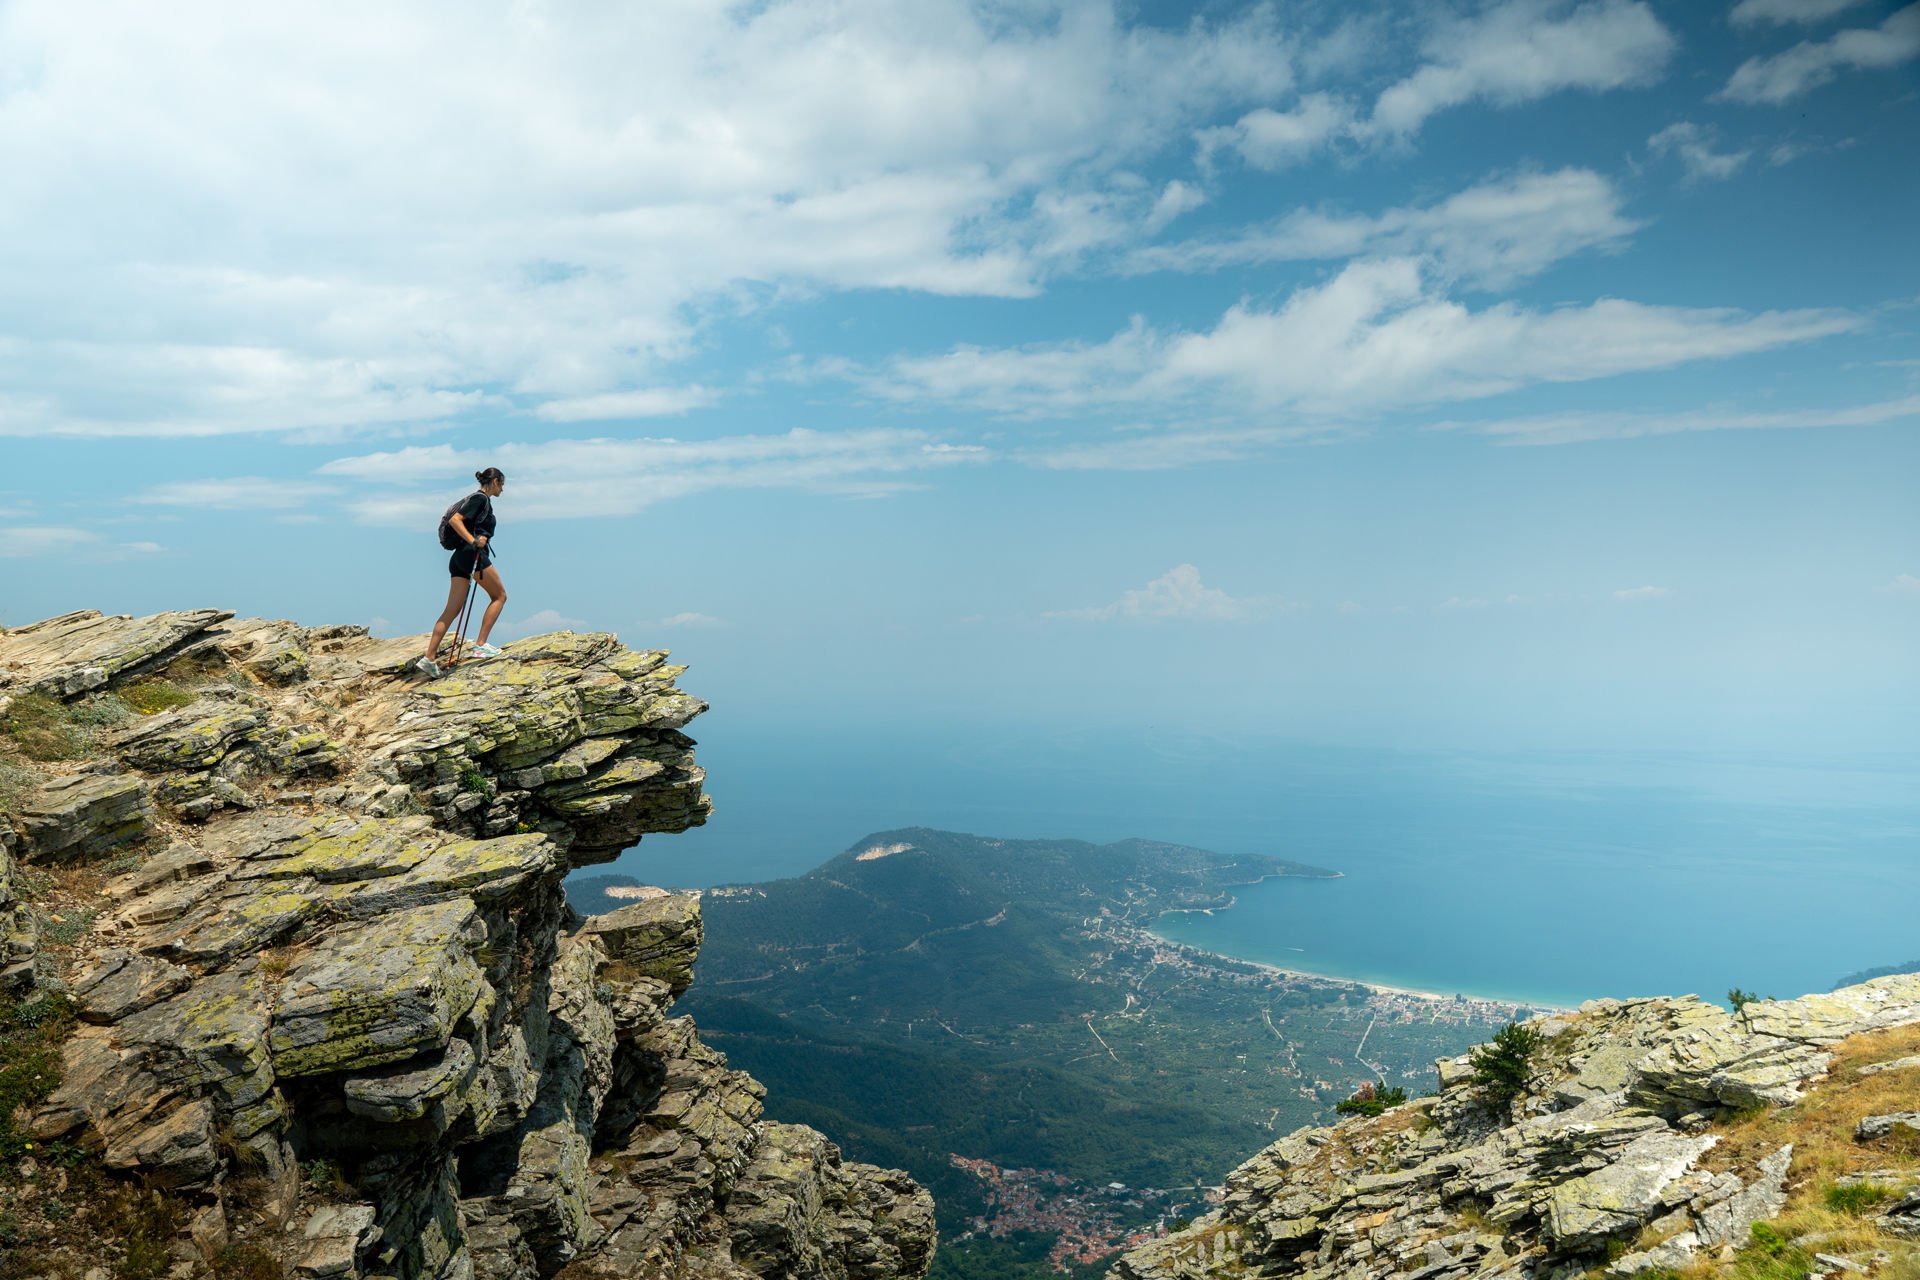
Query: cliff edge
297, 918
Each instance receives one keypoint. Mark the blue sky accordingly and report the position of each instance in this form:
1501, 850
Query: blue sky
1489, 374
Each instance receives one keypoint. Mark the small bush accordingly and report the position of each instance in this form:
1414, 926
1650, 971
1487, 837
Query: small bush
1858, 1199
1503, 1067
1369, 1100
471, 779
149, 697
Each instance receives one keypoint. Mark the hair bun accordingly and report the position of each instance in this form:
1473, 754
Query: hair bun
479, 477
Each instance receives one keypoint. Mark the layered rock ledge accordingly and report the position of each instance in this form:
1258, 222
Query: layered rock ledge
1651, 1137
334, 1000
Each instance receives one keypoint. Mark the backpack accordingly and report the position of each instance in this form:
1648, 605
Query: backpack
448, 538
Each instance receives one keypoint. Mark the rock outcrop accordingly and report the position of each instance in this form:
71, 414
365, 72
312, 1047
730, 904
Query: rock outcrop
1613, 1159
334, 999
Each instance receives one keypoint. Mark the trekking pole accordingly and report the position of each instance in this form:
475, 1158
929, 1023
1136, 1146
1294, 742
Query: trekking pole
460, 631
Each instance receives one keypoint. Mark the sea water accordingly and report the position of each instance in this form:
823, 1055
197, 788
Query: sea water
1546, 878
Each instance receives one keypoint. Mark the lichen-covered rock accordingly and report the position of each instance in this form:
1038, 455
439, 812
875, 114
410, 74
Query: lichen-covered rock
797, 1210
83, 815
656, 937
79, 652
372, 994
122, 982
196, 736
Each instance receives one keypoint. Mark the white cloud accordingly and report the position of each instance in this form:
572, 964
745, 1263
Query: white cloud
1787, 12
1525, 50
240, 493
1490, 234
1781, 77
692, 620
1272, 140
23, 541
1177, 593
1569, 428
524, 207
1457, 604
1904, 584
1377, 335
584, 479
1169, 449
654, 402
539, 623
1175, 199
1693, 143
1643, 593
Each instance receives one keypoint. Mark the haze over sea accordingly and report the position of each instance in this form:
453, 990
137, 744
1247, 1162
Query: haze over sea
1548, 878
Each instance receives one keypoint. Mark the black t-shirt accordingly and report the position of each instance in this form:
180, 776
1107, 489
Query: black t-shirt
477, 511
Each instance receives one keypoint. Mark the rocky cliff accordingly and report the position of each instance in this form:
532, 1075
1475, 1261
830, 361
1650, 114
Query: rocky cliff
330, 1002
1648, 1138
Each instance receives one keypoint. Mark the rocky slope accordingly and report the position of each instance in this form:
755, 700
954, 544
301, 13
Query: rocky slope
330, 996
1650, 1137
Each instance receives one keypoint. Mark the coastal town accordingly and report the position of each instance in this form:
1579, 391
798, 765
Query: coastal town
1089, 1224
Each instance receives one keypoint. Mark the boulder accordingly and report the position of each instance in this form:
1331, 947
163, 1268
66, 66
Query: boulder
379, 992
656, 937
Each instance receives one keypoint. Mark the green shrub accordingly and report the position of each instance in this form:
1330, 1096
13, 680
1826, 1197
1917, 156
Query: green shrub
1503, 1067
1371, 1100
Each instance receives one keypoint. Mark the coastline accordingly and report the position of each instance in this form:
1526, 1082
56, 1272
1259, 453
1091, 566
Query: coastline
1380, 988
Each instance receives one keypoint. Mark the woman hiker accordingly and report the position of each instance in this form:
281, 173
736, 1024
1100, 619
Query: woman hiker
471, 524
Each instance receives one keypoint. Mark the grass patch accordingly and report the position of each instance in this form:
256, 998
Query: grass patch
1856, 1200
43, 728
150, 697
64, 928
32, 1032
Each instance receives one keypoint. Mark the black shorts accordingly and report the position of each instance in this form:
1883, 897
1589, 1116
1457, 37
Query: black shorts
461, 564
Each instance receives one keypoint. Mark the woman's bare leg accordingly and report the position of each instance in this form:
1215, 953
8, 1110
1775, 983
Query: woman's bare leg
497, 590
456, 598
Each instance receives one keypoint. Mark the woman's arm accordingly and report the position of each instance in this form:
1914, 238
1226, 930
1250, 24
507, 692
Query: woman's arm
459, 524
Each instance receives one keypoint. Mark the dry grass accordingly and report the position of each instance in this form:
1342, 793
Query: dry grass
1828, 1218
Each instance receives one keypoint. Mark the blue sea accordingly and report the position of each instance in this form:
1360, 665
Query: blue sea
1540, 877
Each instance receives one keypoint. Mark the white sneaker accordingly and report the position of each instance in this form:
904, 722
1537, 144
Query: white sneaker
428, 667
485, 651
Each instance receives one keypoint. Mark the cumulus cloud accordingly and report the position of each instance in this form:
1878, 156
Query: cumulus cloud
692, 620
1491, 234
597, 478
538, 209
1273, 140
1176, 594
1379, 334
1570, 428
1523, 51
1693, 144
1750, 13
1643, 593
1781, 77
1903, 584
